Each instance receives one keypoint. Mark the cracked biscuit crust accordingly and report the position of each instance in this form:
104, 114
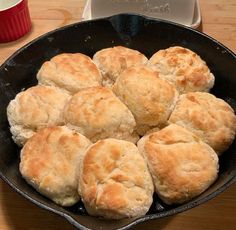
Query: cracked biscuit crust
182, 166
35, 108
97, 113
150, 98
70, 72
114, 181
50, 161
184, 68
113, 61
210, 118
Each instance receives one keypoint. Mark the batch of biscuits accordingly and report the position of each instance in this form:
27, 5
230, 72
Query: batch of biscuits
114, 129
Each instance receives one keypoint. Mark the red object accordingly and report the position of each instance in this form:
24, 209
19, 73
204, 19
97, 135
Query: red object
14, 22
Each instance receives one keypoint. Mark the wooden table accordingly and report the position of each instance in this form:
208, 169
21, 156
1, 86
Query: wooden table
219, 21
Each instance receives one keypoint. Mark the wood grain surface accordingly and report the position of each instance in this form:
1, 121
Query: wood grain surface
219, 21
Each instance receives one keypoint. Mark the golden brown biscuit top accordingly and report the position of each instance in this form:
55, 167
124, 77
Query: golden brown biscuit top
70, 71
149, 97
184, 68
211, 118
73, 63
50, 158
172, 134
113, 61
38, 106
96, 110
181, 164
115, 177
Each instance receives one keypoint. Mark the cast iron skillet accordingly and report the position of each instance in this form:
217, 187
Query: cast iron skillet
144, 34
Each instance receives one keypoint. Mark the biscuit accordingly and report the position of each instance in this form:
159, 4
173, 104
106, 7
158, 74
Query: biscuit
113, 61
114, 181
184, 68
150, 98
97, 113
208, 117
182, 166
35, 108
50, 160
70, 72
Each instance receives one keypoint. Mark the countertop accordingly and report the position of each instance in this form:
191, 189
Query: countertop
218, 21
